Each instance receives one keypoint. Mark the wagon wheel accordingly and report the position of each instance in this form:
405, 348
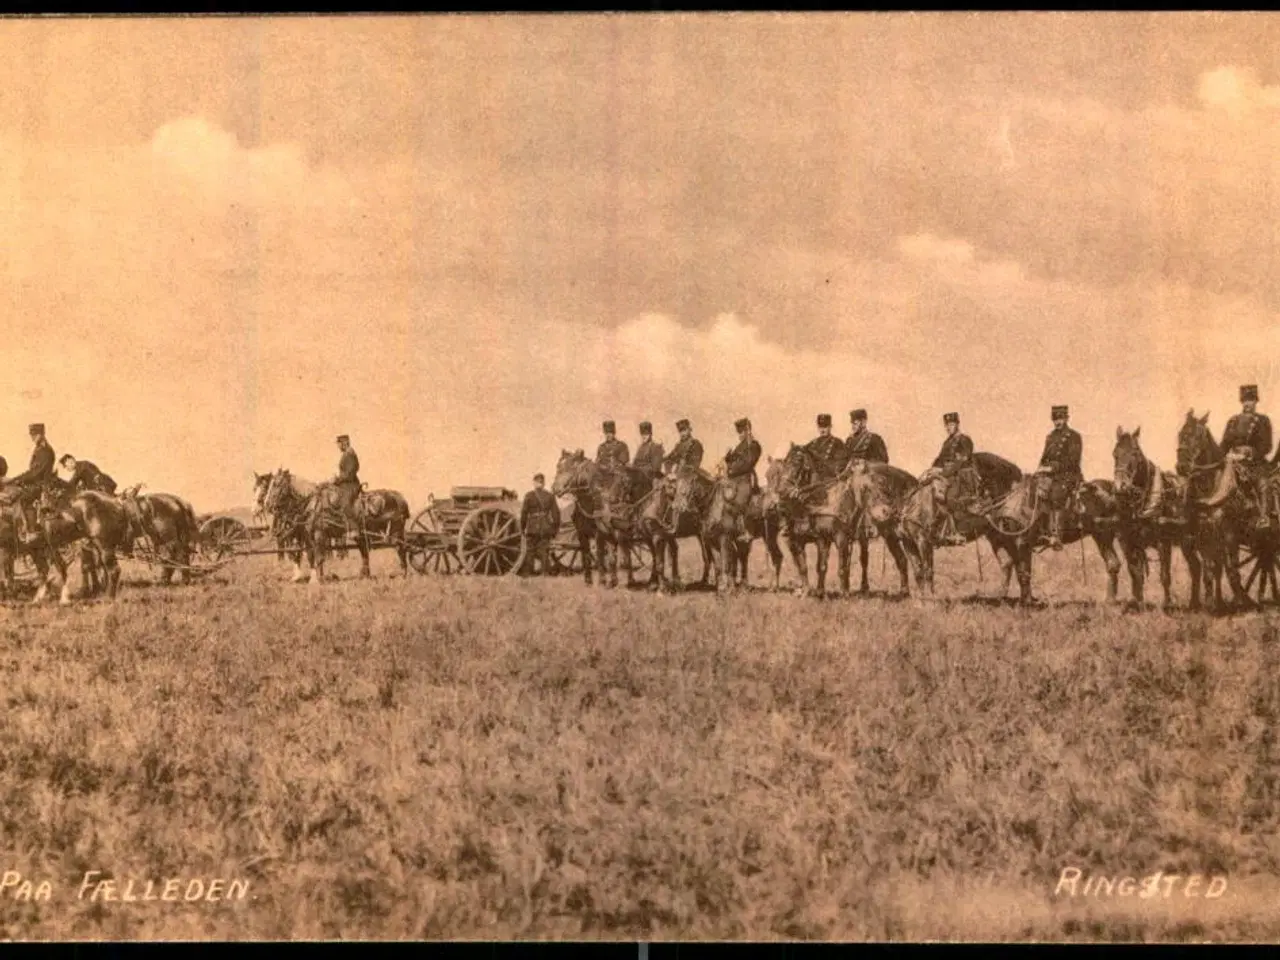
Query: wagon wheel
566, 553
429, 548
1257, 564
220, 536
490, 542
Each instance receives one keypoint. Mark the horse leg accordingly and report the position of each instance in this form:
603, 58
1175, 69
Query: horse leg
775, 558
362, 544
107, 557
797, 547
1023, 563
1165, 549
823, 544
1191, 557
864, 554
1107, 549
899, 555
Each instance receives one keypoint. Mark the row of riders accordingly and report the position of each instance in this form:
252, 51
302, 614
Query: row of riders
834, 493
47, 518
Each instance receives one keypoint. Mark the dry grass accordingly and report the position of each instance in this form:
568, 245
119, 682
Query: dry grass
470, 758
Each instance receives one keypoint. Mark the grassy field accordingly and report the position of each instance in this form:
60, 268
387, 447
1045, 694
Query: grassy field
474, 758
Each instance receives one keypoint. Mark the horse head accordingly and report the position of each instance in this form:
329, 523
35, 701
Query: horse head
795, 470
573, 472
691, 487
1131, 465
1196, 446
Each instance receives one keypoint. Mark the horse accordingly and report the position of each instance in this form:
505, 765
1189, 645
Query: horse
664, 527
1090, 512
607, 505
918, 516
287, 500
879, 491
288, 542
381, 514
730, 515
1135, 478
167, 526
816, 508
98, 518
1221, 519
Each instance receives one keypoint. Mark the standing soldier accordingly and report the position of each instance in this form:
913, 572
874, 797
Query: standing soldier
862, 443
741, 460
1059, 474
540, 522
347, 481
1247, 440
828, 451
613, 453
39, 475
85, 475
686, 453
949, 470
649, 454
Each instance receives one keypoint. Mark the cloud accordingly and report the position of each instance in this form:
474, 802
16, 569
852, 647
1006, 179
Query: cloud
1236, 90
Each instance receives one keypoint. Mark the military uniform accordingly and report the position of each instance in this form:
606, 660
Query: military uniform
863, 444
741, 461
540, 522
828, 451
613, 453
685, 454
955, 455
39, 476
1247, 438
1059, 472
348, 483
648, 458
953, 466
87, 476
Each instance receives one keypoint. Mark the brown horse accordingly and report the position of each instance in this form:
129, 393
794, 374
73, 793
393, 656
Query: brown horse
288, 542
731, 516
98, 518
1221, 519
1135, 480
166, 529
880, 492
381, 516
607, 507
816, 508
918, 516
11, 547
664, 527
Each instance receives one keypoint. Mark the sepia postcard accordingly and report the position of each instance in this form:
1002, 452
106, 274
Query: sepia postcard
640, 477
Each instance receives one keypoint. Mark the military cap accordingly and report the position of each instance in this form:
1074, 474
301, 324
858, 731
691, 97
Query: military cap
36, 428
537, 477
824, 419
858, 414
1249, 393
65, 457
646, 426
743, 424
951, 418
682, 424
1058, 412
343, 438
609, 426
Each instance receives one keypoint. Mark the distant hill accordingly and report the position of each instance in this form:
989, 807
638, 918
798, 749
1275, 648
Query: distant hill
243, 514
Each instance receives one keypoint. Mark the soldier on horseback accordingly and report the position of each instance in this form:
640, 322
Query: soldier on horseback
686, 453
38, 477
1247, 440
347, 482
1059, 474
649, 454
85, 475
613, 453
862, 443
741, 460
954, 478
827, 451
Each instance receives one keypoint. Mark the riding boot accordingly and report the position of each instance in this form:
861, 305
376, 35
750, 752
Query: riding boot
1055, 528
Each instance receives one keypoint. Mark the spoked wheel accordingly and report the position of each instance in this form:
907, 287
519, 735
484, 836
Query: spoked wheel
567, 556
1257, 565
490, 542
429, 548
220, 536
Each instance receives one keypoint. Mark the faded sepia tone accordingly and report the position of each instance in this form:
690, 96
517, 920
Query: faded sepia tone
465, 242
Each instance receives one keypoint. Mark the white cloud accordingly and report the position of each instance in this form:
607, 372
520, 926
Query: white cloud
1236, 90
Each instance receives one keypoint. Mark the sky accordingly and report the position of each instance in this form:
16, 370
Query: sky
467, 240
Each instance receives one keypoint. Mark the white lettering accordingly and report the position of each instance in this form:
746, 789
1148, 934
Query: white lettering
1070, 876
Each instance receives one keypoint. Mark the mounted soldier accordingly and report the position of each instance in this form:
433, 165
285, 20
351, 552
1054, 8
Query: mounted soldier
648, 458
827, 450
862, 443
38, 477
347, 482
1247, 440
85, 475
954, 478
740, 462
539, 522
1059, 473
687, 452
612, 454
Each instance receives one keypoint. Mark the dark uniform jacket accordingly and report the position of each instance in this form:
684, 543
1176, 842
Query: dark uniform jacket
956, 453
613, 454
41, 471
1062, 451
866, 446
686, 453
649, 458
742, 460
540, 514
349, 470
1251, 430
830, 451
87, 476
